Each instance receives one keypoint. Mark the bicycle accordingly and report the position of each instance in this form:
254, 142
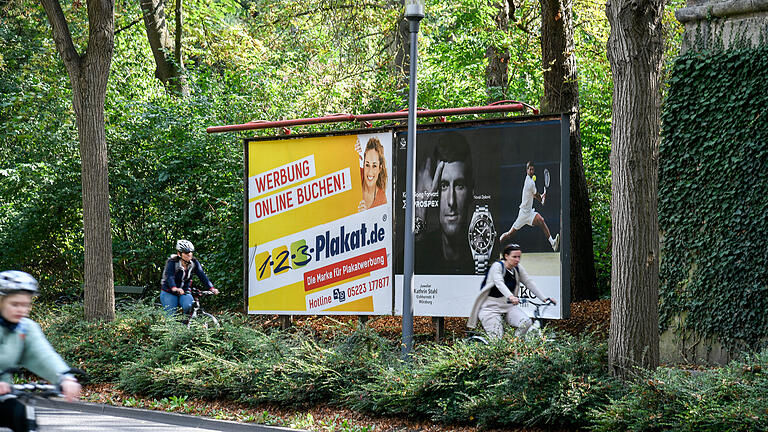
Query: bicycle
198, 315
535, 328
27, 393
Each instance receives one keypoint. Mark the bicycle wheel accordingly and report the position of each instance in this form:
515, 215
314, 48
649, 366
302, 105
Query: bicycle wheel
124, 303
477, 339
204, 320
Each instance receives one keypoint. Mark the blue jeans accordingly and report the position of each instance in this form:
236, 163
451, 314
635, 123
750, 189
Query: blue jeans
171, 302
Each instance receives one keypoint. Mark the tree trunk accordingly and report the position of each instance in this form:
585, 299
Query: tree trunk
561, 95
167, 68
400, 48
88, 76
179, 28
635, 49
496, 71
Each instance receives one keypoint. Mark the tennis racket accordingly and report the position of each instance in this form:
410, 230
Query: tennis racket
546, 180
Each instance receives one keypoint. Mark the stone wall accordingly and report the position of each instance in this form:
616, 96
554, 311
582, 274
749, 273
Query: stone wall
716, 24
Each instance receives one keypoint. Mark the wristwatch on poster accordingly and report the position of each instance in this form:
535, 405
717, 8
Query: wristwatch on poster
482, 236
419, 226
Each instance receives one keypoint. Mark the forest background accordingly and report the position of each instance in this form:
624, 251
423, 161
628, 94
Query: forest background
241, 61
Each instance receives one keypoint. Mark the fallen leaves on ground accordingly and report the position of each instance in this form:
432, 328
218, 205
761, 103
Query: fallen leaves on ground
586, 317
322, 418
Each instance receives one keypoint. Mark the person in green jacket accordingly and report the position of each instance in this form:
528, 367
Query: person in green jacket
22, 344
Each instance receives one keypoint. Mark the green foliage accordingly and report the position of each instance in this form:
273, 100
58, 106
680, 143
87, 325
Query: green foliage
711, 209
506, 384
731, 398
512, 383
100, 348
595, 98
246, 364
244, 60
168, 178
509, 383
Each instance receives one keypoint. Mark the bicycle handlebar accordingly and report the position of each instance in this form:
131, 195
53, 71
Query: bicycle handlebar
71, 371
35, 389
31, 389
197, 292
533, 303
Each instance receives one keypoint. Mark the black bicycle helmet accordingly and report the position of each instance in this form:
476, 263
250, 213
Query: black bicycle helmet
185, 246
14, 281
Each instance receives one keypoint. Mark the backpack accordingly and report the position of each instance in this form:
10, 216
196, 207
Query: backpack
506, 275
485, 278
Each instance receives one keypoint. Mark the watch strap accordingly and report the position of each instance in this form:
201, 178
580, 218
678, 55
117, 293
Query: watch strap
481, 259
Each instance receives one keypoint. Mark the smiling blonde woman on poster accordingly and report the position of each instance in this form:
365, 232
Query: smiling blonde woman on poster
373, 174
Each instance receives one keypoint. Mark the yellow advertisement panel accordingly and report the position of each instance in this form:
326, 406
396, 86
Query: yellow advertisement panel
320, 225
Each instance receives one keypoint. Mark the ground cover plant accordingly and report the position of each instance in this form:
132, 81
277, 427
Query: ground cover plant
729, 398
101, 348
331, 363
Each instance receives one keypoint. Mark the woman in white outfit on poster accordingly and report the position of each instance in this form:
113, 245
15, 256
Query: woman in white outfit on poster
499, 296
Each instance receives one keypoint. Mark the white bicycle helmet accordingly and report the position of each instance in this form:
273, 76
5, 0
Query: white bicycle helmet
14, 281
185, 246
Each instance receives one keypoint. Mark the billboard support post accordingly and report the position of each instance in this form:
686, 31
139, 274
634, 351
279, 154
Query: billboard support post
414, 12
246, 261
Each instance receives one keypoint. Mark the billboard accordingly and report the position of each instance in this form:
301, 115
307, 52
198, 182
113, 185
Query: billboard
320, 225
479, 188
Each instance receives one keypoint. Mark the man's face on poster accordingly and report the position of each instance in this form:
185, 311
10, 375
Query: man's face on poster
454, 195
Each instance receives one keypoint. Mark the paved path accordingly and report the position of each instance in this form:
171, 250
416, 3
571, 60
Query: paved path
50, 420
59, 416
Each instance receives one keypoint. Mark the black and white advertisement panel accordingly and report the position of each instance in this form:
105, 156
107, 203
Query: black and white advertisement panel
478, 189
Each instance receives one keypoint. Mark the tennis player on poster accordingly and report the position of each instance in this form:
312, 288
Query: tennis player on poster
527, 215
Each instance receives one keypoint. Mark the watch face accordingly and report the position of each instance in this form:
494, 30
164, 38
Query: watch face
419, 226
482, 234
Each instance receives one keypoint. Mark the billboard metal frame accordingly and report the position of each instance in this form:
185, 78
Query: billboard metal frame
399, 128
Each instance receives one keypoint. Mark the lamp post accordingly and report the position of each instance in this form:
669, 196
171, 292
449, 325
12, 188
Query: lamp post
414, 12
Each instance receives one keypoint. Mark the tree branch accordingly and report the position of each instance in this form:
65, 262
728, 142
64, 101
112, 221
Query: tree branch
61, 35
133, 23
326, 9
101, 25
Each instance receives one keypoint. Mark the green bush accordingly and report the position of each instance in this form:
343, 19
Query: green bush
509, 383
731, 398
244, 363
100, 348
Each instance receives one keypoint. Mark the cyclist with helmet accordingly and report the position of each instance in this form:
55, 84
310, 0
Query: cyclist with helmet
22, 344
177, 277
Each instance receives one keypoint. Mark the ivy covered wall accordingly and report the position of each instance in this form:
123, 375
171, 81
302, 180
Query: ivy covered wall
713, 198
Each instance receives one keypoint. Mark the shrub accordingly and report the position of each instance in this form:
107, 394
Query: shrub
508, 383
100, 348
731, 398
247, 364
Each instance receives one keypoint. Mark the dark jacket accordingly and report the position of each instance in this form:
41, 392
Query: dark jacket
175, 276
